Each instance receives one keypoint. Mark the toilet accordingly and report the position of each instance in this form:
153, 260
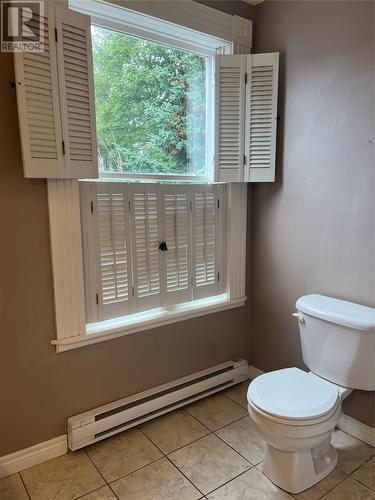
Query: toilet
296, 411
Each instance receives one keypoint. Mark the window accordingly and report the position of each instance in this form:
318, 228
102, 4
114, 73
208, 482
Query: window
120, 274
151, 246
151, 106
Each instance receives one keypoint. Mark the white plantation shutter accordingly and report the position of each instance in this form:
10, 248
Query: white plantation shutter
261, 114
55, 99
208, 227
230, 117
74, 57
38, 106
246, 117
107, 250
146, 237
123, 226
176, 260
112, 208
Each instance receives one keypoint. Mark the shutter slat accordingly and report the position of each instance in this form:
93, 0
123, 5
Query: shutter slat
113, 245
206, 247
146, 232
230, 101
38, 102
177, 269
261, 110
77, 94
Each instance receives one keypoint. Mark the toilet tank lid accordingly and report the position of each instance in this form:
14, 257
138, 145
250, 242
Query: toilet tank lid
338, 311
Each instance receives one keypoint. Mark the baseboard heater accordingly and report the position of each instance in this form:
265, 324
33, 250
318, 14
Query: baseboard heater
100, 423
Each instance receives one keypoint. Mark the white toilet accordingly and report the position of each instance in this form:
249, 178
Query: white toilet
294, 411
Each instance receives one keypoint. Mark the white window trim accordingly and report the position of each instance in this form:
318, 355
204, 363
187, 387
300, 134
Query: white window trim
65, 229
134, 323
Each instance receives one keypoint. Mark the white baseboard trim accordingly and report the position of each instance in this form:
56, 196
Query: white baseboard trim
41, 452
346, 423
357, 429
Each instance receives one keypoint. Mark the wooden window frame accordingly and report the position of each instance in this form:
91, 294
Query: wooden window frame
66, 231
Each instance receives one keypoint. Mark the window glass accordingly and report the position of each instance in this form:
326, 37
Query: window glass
150, 106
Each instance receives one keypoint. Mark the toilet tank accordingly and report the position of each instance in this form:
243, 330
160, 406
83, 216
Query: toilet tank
338, 340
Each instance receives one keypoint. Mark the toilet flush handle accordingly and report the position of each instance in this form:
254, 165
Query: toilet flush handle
299, 316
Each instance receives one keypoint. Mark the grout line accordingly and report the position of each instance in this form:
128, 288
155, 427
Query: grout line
359, 466
221, 427
238, 453
93, 463
180, 447
24, 485
93, 491
174, 465
230, 423
230, 480
135, 470
214, 433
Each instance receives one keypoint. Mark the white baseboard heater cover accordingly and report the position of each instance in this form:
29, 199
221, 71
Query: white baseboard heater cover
100, 423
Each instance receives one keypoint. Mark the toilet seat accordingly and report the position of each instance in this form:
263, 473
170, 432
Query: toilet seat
294, 397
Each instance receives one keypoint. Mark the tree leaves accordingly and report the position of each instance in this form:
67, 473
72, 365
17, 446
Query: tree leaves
150, 106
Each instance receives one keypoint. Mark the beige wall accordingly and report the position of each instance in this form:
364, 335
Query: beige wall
313, 230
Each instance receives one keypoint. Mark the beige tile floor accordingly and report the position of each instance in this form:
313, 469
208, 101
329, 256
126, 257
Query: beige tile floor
207, 450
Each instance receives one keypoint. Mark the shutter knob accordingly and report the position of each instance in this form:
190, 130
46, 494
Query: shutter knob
163, 246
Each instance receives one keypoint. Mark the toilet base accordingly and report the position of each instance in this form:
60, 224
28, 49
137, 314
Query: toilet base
297, 471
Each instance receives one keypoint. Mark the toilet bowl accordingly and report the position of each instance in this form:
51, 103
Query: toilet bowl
295, 411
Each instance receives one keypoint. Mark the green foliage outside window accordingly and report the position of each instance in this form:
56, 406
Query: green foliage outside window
150, 106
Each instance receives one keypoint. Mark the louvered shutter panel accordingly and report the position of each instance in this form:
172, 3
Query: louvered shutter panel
146, 231
207, 233
230, 117
38, 105
175, 206
74, 57
114, 260
261, 117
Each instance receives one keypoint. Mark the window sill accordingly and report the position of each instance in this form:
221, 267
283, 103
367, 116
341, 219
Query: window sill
127, 325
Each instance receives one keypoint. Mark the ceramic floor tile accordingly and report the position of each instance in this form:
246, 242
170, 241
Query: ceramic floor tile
158, 481
350, 490
242, 436
352, 452
216, 411
209, 463
366, 474
11, 488
64, 478
238, 393
320, 489
252, 485
121, 454
104, 493
174, 430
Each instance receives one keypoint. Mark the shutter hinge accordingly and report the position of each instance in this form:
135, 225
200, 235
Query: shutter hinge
245, 78
63, 147
218, 276
218, 203
97, 299
244, 159
191, 206
129, 206
133, 291
92, 206
55, 34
